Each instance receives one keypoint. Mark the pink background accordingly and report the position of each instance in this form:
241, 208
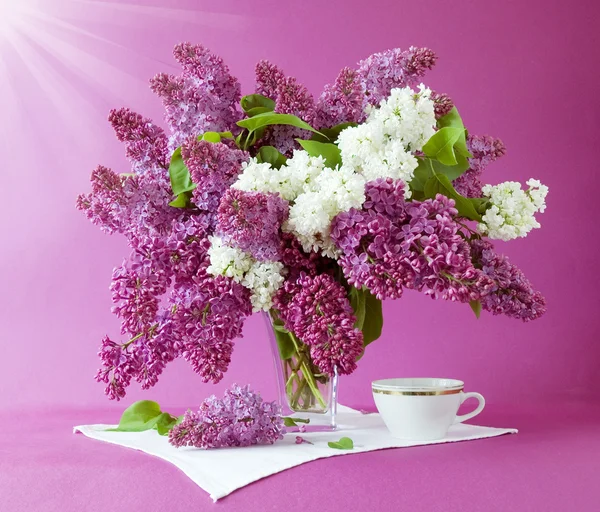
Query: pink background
525, 71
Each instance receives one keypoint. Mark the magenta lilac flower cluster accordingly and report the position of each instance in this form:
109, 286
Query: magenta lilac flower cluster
240, 418
213, 168
317, 310
485, 150
296, 232
393, 244
252, 221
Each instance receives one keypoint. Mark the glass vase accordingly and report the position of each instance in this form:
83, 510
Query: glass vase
304, 390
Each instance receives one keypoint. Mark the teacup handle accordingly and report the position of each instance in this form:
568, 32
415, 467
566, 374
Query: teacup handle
468, 416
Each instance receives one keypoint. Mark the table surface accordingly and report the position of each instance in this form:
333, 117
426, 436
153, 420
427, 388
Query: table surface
551, 465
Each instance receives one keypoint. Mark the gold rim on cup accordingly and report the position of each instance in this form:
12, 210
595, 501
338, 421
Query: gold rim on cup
418, 393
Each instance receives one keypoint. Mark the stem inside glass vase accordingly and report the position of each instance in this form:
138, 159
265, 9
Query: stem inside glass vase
304, 387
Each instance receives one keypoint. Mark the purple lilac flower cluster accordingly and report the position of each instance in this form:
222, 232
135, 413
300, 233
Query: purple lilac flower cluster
317, 310
146, 143
393, 244
290, 97
485, 150
213, 168
512, 294
251, 221
208, 314
240, 418
342, 102
381, 72
204, 98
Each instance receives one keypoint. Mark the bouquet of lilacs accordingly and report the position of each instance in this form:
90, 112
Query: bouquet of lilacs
311, 210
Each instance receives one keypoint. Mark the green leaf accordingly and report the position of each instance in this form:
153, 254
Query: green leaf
283, 337
251, 102
451, 171
373, 323
427, 167
288, 421
270, 118
258, 110
476, 307
271, 155
164, 423
214, 137
368, 312
146, 415
440, 184
182, 200
345, 443
452, 119
331, 134
357, 298
422, 173
139, 416
330, 152
180, 175
441, 145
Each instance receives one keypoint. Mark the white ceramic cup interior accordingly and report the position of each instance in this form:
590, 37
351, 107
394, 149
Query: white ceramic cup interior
422, 409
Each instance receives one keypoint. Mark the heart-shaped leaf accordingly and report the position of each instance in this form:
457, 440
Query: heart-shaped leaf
345, 443
441, 145
253, 102
271, 155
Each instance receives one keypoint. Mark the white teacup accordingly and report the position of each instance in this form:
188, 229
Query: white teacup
422, 409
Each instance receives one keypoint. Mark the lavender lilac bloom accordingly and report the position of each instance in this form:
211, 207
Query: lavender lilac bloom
240, 418
252, 222
381, 72
204, 98
342, 102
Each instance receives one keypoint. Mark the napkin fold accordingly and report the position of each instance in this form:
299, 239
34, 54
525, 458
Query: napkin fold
220, 472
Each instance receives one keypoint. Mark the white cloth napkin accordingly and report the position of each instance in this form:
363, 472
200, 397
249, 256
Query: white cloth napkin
220, 472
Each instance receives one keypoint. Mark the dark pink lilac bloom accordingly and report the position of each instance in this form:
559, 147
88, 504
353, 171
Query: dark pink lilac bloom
208, 314
317, 310
512, 294
485, 150
251, 221
213, 168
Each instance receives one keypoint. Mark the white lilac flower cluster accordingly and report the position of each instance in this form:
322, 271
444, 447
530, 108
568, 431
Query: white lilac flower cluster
383, 146
263, 279
316, 194
512, 211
